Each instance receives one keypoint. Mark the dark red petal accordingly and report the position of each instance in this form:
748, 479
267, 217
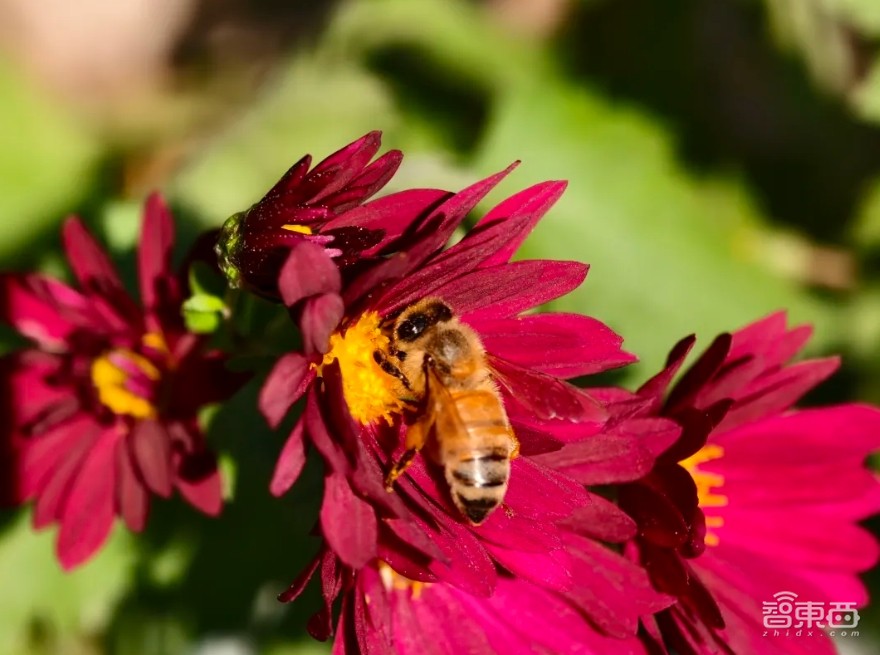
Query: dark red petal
348, 523
308, 271
337, 170
689, 385
154, 253
519, 215
659, 519
316, 429
198, 480
302, 580
286, 383
132, 499
290, 461
656, 387
201, 378
601, 519
88, 260
435, 231
365, 184
563, 345
545, 396
319, 318
481, 243
508, 289
89, 510
392, 214
150, 447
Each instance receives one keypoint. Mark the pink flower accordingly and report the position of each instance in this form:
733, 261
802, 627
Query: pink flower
104, 404
356, 420
781, 490
326, 207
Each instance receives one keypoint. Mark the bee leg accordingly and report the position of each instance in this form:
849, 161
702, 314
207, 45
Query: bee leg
386, 365
415, 439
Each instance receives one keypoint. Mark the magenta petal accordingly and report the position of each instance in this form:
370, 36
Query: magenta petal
286, 383
41, 458
150, 448
348, 523
603, 520
89, 510
154, 251
132, 499
308, 271
320, 316
778, 392
56, 484
508, 289
40, 308
290, 461
563, 345
612, 590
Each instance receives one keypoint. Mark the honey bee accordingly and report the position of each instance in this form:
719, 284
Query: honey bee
442, 367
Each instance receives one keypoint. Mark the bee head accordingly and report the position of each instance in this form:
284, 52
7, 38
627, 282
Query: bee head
412, 324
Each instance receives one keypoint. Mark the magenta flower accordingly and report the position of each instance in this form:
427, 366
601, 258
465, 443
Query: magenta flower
356, 419
104, 404
324, 206
382, 611
781, 491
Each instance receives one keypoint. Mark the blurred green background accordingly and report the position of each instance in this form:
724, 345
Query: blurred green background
723, 159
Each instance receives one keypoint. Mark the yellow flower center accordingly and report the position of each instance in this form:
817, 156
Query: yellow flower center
126, 380
302, 229
370, 392
392, 580
708, 485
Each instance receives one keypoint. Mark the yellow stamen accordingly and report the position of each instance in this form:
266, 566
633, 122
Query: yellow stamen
302, 229
155, 341
369, 391
109, 379
708, 485
391, 579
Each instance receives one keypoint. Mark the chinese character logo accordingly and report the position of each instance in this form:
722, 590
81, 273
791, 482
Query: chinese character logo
778, 612
786, 611
843, 615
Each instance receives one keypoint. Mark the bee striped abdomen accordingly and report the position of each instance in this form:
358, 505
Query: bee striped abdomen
478, 465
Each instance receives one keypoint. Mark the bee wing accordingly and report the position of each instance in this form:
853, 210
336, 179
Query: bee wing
545, 396
441, 404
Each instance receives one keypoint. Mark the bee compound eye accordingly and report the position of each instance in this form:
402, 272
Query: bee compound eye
412, 327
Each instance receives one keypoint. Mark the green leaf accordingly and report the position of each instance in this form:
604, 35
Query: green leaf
44, 160
670, 254
318, 105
